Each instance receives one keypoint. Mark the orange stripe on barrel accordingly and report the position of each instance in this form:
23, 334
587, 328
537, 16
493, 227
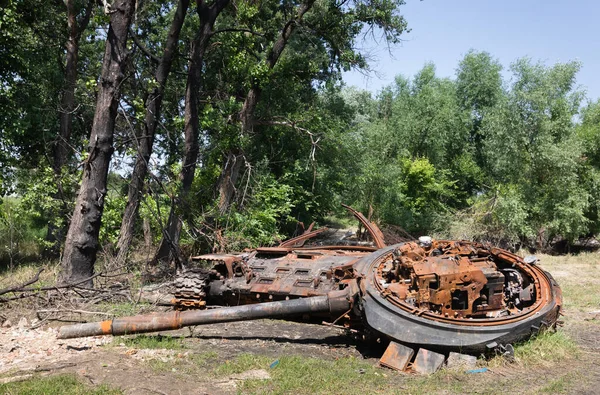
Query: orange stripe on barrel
106, 327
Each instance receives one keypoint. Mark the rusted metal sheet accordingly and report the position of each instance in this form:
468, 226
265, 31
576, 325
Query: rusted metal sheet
462, 282
427, 361
397, 356
409, 318
300, 240
371, 227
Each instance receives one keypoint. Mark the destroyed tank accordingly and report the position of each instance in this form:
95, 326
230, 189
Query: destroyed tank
439, 296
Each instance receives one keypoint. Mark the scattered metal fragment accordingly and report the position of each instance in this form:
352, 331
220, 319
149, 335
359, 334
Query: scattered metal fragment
397, 356
434, 296
428, 362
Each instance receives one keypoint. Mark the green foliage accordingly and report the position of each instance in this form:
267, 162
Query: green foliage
530, 142
262, 212
155, 209
475, 155
20, 235
41, 200
416, 197
478, 82
500, 217
589, 132
151, 342
114, 206
508, 160
414, 148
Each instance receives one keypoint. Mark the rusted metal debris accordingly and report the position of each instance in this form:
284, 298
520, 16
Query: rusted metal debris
428, 297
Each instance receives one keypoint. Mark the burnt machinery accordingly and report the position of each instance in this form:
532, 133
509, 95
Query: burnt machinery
439, 296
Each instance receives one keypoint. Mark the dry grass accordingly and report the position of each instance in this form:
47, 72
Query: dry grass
579, 278
59, 385
23, 273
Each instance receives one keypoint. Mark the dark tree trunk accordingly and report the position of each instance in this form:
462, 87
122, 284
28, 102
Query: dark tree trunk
169, 246
153, 110
229, 174
60, 154
228, 178
81, 245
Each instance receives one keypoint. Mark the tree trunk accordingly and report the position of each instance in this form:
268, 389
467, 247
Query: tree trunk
153, 109
81, 245
169, 246
228, 178
229, 175
60, 154
147, 234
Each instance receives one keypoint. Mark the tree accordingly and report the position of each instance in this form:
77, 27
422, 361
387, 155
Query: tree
479, 89
312, 22
208, 14
78, 17
478, 82
81, 245
412, 152
233, 160
588, 132
31, 39
146, 140
533, 154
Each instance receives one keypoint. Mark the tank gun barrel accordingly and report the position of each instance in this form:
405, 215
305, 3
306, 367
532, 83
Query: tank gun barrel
334, 303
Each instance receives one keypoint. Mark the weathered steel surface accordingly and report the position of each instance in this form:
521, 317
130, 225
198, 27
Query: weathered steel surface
427, 361
273, 273
299, 241
336, 303
410, 318
397, 356
371, 227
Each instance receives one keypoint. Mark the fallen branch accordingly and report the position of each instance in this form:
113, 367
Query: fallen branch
62, 286
72, 311
18, 288
22, 289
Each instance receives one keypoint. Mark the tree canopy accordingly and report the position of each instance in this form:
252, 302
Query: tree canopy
232, 125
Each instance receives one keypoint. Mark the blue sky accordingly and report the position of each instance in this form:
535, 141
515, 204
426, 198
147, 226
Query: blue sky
443, 31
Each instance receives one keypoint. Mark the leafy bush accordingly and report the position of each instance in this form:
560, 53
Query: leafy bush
259, 221
19, 235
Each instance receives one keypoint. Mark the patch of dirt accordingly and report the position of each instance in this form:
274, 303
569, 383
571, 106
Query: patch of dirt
25, 351
275, 338
135, 371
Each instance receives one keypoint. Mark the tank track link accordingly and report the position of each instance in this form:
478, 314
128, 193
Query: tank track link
190, 289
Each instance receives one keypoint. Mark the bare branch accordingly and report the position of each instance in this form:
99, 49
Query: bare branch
239, 30
23, 290
141, 46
